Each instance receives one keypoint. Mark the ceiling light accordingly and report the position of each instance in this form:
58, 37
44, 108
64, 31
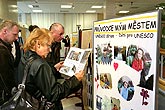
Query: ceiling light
90, 11
123, 11
66, 6
13, 6
15, 11
30, 6
96, 6
37, 11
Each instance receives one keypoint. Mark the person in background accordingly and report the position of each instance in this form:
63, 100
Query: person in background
16, 51
66, 42
40, 80
32, 27
20, 41
56, 31
8, 34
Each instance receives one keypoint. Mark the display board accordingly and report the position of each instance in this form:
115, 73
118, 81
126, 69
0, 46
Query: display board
125, 62
74, 39
86, 39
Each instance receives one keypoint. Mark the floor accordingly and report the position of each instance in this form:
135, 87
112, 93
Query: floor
161, 101
69, 103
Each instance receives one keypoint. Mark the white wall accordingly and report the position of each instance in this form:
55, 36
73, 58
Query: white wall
68, 20
6, 11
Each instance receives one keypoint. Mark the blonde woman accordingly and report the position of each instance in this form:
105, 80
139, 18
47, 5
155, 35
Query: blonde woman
40, 80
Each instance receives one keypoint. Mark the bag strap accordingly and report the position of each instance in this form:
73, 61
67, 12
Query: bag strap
26, 70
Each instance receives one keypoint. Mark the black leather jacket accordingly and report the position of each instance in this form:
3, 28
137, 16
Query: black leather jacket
41, 78
6, 71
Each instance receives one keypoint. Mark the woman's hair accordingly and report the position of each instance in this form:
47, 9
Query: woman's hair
41, 35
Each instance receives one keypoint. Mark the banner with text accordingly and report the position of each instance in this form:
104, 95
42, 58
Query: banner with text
125, 62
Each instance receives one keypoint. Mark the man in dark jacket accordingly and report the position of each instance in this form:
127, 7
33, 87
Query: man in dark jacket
57, 31
8, 34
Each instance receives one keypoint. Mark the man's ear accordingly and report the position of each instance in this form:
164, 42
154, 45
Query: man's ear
4, 31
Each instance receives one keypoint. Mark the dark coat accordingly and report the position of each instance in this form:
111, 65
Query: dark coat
54, 57
6, 70
41, 78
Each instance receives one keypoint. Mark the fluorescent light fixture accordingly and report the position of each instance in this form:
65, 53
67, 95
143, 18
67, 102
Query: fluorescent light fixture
37, 11
15, 11
66, 6
96, 6
30, 6
123, 11
91, 11
13, 6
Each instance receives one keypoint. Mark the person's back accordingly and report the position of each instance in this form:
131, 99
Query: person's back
8, 34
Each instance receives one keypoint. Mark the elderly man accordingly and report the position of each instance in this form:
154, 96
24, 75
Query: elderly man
56, 31
8, 34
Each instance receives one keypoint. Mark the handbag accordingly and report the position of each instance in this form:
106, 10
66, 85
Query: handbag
22, 100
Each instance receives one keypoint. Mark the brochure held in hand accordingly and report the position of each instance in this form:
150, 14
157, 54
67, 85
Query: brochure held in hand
75, 61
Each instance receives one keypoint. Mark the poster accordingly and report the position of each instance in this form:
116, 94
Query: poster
125, 62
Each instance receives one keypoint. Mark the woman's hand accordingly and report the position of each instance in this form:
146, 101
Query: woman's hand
59, 65
79, 75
